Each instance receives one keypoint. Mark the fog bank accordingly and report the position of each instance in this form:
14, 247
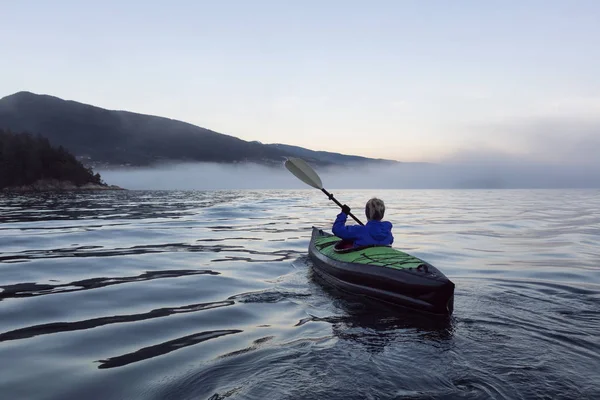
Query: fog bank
460, 175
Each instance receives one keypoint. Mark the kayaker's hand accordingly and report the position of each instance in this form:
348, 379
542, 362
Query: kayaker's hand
346, 209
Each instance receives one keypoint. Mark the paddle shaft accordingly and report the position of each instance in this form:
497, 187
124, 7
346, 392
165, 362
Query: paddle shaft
340, 205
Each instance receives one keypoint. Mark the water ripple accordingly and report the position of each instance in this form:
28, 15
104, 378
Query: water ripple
56, 327
36, 289
163, 348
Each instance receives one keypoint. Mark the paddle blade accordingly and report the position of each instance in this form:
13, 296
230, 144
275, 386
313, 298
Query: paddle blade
304, 172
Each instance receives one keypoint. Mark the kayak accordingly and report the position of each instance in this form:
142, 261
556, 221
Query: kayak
381, 273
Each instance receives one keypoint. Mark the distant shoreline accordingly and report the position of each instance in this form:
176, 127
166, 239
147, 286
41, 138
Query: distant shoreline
54, 185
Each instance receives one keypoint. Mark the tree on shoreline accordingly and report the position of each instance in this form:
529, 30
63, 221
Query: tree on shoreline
25, 159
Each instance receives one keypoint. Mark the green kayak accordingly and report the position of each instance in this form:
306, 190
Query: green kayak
382, 273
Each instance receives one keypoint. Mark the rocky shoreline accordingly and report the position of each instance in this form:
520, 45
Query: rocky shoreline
54, 185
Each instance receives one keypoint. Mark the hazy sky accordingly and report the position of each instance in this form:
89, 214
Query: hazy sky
408, 80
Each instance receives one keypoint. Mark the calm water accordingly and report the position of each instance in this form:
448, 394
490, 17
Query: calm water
210, 295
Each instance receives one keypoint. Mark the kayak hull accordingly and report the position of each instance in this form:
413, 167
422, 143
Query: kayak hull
415, 284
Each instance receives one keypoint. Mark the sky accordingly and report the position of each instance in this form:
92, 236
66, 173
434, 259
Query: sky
418, 80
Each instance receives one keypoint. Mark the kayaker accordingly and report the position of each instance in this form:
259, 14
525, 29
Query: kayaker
375, 232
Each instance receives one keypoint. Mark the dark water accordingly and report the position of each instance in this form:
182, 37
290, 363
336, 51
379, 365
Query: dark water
210, 295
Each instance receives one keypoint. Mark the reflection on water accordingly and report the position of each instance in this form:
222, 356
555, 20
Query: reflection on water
36, 289
46, 329
187, 295
163, 348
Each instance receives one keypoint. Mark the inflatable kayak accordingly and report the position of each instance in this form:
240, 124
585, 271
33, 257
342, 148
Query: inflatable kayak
382, 273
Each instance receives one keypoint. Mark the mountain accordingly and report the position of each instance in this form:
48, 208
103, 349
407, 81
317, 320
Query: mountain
327, 157
109, 137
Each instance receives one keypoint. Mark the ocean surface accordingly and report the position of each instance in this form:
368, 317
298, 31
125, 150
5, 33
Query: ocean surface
211, 295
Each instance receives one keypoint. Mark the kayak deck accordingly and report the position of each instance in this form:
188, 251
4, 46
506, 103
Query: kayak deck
382, 256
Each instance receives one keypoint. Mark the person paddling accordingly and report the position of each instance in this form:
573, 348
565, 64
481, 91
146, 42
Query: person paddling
375, 232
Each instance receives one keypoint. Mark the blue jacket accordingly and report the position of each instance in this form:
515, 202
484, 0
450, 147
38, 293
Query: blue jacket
374, 232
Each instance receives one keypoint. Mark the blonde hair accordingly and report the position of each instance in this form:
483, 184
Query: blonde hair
375, 209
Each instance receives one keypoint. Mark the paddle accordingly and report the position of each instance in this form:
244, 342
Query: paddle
306, 174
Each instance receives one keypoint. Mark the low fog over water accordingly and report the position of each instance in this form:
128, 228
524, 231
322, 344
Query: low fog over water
485, 174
